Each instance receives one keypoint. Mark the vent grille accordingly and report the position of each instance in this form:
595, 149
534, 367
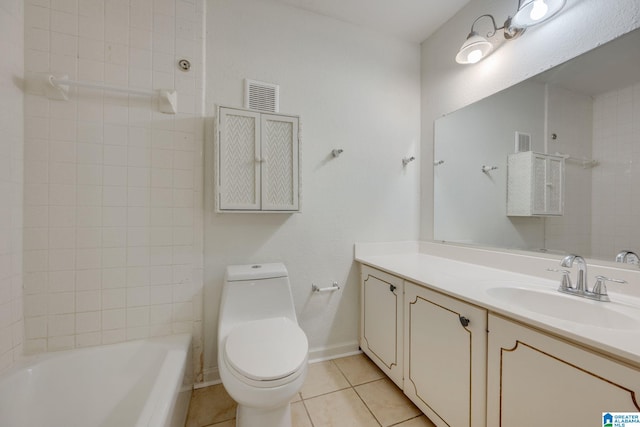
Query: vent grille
523, 142
261, 96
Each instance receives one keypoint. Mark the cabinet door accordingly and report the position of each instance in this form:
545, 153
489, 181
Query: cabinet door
539, 180
554, 186
381, 321
445, 361
279, 162
536, 380
239, 160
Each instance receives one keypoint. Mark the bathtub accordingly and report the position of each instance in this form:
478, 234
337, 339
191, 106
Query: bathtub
133, 384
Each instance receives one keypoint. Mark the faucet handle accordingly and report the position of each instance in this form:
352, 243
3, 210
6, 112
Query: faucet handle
565, 283
600, 288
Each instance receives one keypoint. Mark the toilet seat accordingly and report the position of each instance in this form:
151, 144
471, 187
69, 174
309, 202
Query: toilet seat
267, 352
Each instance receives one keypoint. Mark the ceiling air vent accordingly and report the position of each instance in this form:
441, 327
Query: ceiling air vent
523, 142
261, 96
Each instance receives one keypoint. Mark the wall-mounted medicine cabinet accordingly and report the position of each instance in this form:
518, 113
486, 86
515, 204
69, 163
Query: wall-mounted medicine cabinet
535, 184
257, 161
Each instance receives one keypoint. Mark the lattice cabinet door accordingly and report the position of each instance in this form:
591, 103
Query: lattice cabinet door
239, 160
258, 161
279, 162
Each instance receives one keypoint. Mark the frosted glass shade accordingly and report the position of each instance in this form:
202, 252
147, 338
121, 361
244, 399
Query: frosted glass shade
473, 49
533, 12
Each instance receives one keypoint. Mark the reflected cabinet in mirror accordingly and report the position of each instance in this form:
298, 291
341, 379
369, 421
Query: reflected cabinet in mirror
551, 164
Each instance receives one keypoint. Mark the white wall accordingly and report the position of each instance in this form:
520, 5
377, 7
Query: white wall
11, 168
472, 205
616, 143
113, 188
354, 89
447, 86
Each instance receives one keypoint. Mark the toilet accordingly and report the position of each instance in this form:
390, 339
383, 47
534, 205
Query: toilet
262, 352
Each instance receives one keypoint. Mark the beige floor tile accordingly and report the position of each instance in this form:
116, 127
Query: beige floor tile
210, 405
229, 423
359, 369
387, 402
299, 416
296, 398
421, 421
339, 409
323, 377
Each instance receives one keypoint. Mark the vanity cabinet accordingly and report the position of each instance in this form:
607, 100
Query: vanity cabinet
381, 321
535, 184
445, 357
535, 379
258, 165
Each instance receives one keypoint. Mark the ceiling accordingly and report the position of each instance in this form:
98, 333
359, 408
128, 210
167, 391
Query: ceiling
410, 20
594, 73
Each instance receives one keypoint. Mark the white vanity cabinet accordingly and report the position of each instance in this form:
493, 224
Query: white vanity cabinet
535, 379
445, 357
258, 165
381, 321
535, 184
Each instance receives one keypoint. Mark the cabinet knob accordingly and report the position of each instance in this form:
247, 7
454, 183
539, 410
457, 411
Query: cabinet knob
392, 288
464, 321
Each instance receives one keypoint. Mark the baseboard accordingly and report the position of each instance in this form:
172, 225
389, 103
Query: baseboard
318, 354
211, 377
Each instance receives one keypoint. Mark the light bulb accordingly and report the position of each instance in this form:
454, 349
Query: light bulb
474, 56
539, 10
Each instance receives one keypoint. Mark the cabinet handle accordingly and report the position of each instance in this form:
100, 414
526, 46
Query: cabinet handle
392, 288
464, 321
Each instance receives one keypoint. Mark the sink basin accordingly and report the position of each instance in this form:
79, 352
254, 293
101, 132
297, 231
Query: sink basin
607, 315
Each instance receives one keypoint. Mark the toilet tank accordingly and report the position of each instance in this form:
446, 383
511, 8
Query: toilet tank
258, 291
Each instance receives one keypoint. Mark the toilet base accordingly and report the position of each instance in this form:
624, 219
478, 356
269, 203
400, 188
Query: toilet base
259, 417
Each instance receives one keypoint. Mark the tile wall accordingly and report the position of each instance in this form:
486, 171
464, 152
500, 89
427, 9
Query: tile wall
616, 145
570, 118
11, 161
113, 188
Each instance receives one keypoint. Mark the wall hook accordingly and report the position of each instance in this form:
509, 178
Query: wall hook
407, 160
487, 169
336, 152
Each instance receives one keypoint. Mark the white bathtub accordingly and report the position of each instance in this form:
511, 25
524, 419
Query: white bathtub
133, 384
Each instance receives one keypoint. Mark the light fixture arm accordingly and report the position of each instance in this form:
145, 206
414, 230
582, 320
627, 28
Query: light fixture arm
509, 31
493, 21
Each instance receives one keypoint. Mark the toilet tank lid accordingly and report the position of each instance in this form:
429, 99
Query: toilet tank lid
237, 273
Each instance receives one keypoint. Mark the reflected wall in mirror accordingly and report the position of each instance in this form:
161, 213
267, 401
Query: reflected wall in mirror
586, 110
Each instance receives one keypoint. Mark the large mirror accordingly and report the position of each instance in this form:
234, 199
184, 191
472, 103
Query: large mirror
583, 117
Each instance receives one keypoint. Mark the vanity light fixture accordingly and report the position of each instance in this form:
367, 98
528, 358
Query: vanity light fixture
529, 13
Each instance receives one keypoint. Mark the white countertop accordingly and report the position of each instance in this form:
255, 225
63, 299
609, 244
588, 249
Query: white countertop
470, 282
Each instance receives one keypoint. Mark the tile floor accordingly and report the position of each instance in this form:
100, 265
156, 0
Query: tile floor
346, 392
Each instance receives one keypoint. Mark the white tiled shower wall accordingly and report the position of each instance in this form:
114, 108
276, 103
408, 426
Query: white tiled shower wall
113, 188
616, 202
11, 161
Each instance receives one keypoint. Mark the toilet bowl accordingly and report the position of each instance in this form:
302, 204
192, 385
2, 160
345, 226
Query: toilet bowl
262, 352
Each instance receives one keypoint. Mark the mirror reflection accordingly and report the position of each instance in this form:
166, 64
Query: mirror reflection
550, 164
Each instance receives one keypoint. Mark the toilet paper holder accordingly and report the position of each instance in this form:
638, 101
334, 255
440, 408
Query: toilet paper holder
333, 287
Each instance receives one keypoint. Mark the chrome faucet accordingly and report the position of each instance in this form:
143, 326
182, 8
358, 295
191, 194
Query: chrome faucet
581, 283
628, 257
599, 292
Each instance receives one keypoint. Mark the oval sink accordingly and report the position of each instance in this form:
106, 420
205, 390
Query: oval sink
570, 308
